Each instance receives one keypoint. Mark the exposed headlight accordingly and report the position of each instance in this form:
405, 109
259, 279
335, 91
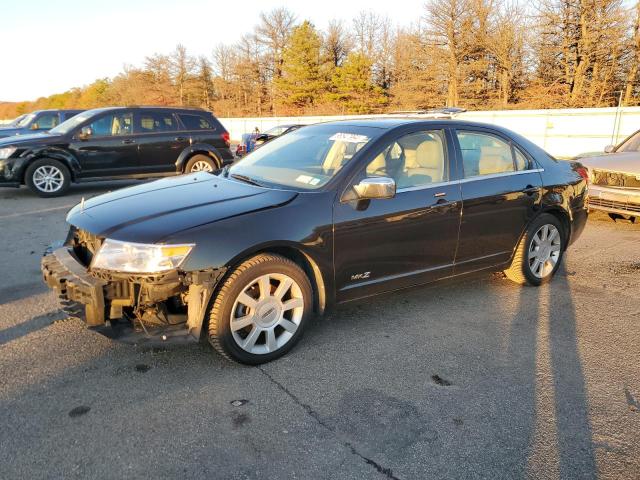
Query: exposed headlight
6, 152
139, 257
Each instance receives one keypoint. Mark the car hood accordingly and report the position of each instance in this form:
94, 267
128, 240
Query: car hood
625, 162
150, 212
30, 139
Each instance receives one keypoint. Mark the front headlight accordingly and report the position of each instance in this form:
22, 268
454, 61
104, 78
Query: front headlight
6, 152
140, 258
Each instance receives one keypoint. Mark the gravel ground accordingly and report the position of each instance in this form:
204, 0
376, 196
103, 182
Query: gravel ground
469, 379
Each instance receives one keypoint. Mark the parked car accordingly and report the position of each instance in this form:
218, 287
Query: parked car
35, 122
615, 179
116, 142
330, 213
14, 122
251, 141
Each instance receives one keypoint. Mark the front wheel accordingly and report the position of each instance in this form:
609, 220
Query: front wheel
201, 163
261, 310
539, 253
48, 177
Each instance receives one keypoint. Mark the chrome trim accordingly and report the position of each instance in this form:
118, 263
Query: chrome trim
467, 180
500, 175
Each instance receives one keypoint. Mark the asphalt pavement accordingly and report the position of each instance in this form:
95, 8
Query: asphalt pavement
478, 378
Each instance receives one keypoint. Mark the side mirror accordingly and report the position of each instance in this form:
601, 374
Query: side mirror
34, 126
85, 133
609, 148
375, 187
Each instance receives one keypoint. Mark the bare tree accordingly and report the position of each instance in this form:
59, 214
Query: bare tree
337, 44
182, 66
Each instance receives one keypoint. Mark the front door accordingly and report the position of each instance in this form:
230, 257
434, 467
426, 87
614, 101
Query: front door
110, 150
501, 190
160, 141
382, 245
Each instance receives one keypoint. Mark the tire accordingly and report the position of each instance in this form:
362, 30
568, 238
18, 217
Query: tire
201, 163
525, 267
48, 178
250, 341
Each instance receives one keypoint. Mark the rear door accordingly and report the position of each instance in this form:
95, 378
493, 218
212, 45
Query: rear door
111, 149
202, 127
501, 189
160, 140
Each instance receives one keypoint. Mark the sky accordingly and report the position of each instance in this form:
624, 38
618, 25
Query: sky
50, 46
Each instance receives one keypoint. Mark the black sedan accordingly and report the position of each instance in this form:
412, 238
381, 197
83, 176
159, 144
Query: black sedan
326, 214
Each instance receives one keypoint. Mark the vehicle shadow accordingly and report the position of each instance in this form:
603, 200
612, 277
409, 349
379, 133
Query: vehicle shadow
544, 341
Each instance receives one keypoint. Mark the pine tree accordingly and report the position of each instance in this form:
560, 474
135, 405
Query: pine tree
301, 84
354, 88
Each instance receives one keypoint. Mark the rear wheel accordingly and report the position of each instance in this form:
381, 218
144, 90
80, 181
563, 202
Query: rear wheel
539, 252
261, 310
48, 178
201, 163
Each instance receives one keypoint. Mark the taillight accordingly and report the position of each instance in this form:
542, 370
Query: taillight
583, 172
226, 138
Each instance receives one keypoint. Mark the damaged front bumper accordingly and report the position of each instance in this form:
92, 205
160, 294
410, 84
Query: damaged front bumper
134, 309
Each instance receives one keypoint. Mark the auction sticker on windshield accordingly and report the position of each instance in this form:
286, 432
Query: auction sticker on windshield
349, 138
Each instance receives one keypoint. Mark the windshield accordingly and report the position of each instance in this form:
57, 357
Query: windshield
306, 158
275, 131
24, 122
631, 145
68, 125
16, 121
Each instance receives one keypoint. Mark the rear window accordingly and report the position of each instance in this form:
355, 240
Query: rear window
195, 122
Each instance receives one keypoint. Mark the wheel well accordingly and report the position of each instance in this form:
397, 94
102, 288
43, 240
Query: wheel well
23, 176
563, 217
310, 268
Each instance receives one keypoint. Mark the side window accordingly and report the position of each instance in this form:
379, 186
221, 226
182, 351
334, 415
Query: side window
522, 163
150, 122
484, 154
47, 121
113, 124
415, 160
195, 122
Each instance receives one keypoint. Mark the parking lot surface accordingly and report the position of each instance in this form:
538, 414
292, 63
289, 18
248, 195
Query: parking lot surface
478, 378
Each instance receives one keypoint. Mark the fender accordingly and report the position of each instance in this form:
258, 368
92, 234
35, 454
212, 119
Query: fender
195, 149
47, 151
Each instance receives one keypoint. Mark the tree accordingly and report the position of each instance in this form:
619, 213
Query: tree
301, 84
182, 66
353, 87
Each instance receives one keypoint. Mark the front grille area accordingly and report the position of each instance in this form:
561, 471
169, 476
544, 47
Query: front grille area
629, 207
615, 179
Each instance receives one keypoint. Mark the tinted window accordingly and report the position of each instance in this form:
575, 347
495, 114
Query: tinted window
150, 122
47, 120
68, 115
113, 125
484, 154
521, 161
195, 122
414, 160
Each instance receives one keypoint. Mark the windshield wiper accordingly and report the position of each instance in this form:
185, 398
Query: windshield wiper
245, 179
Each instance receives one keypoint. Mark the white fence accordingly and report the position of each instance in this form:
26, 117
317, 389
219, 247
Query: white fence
563, 132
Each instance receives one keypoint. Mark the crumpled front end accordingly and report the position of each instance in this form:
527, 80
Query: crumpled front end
149, 309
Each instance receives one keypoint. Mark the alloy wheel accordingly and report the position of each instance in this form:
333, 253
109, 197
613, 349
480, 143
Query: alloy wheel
48, 178
201, 166
544, 250
267, 313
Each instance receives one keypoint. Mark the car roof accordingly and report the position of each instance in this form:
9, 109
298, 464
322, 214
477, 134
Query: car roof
388, 123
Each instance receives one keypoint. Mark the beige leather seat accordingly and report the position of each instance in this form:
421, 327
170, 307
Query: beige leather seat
495, 160
334, 158
427, 159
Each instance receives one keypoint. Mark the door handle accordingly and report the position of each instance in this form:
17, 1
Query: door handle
128, 141
180, 139
440, 194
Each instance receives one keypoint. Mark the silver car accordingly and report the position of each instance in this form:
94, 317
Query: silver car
615, 179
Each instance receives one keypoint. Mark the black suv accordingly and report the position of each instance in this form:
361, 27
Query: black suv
38, 121
115, 142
